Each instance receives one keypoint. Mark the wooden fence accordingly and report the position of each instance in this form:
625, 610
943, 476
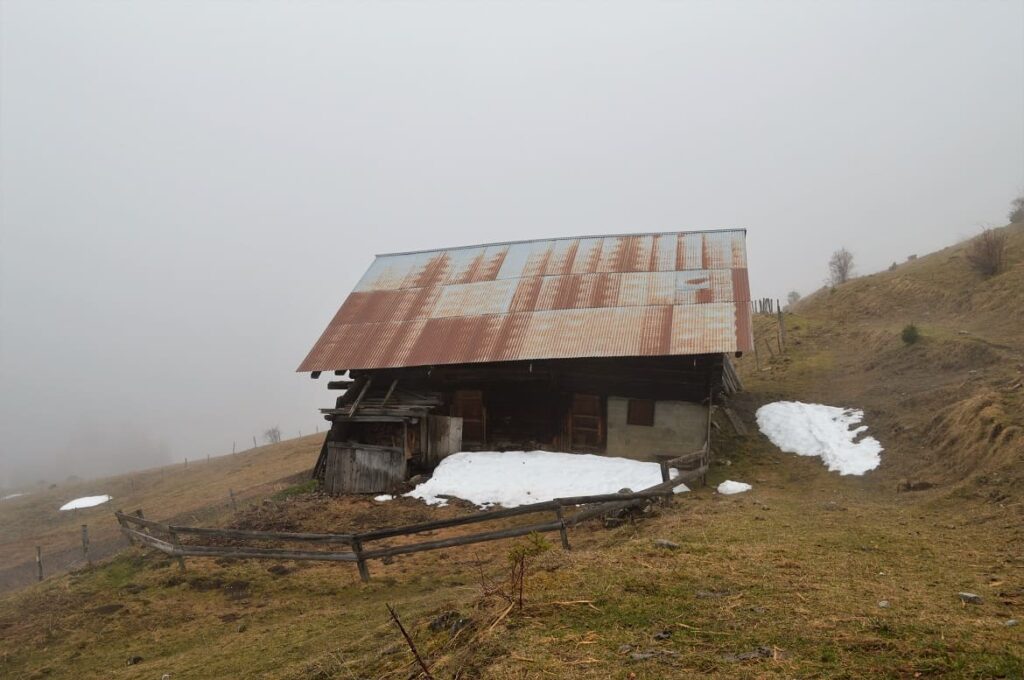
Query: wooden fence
166, 537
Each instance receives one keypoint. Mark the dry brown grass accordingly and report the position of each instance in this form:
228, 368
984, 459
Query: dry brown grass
797, 566
201, 490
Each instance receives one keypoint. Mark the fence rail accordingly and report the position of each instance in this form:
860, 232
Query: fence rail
165, 537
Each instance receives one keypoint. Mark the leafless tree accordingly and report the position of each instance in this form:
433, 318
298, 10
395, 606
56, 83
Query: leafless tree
987, 252
792, 298
272, 435
840, 267
1017, 209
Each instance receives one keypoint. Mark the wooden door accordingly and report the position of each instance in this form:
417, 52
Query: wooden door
469, 405
587, 422
444, 437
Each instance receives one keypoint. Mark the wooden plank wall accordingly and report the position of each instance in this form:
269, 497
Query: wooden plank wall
363, 468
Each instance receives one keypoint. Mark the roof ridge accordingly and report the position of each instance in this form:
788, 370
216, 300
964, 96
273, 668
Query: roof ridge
563, 238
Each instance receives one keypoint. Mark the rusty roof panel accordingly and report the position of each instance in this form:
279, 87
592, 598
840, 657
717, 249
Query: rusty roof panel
621, 295
471, 299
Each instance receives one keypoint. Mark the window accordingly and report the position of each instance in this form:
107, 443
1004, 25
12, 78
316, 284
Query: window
640, 412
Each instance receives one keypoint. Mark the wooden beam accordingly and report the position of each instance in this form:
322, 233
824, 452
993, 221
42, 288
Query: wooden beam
391, 389
362, 393
236, 552
340, 384
265, 535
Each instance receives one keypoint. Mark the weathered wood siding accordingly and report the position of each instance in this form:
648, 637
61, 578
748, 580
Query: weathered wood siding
363, 468
444, 437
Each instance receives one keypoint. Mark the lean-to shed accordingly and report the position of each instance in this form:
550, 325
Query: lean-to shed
607, 344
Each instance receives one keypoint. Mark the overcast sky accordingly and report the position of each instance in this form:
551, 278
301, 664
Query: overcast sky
190, 189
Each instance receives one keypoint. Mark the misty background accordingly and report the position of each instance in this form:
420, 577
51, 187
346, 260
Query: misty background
190, 189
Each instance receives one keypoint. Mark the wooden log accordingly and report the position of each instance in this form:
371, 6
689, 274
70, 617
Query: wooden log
141, 521
461, 540
486, 516
239, 553
345, 539
151, 541
340, 384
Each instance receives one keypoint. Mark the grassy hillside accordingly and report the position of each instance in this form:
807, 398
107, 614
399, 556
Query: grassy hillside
810, 574
200, 490
951, 406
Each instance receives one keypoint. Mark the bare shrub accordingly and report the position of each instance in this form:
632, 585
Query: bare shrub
511, 589
792, 298
840, 267
272, 435
987, 252
1017, 210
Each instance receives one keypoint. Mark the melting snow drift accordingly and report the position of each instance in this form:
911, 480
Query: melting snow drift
729, 487
85, 502
512, 478
819, 430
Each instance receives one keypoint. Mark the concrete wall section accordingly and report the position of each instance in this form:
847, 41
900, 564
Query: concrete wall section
679, 427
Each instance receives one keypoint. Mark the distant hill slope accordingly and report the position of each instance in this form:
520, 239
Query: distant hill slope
202, 489
939, 288
948, 408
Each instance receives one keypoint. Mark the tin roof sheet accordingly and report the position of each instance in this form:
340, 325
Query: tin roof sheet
604, 296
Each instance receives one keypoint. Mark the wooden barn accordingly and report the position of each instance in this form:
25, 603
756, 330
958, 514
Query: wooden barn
615, 345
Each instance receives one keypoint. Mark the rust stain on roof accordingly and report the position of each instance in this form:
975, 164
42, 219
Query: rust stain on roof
629, 295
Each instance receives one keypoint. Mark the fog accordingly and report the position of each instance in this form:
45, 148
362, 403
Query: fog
190, 189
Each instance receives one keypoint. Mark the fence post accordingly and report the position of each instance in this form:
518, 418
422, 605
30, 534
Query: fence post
357, 548
561, 530
177, 545
85, 544
234, 503
39, 562
782, 330
131, 541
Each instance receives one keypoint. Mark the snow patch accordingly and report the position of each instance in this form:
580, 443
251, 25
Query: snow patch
823, 431
85, 502
384, 498
729, 487
513, 478
12, 495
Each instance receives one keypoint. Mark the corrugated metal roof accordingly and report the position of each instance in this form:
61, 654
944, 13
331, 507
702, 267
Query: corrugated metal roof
603, 296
